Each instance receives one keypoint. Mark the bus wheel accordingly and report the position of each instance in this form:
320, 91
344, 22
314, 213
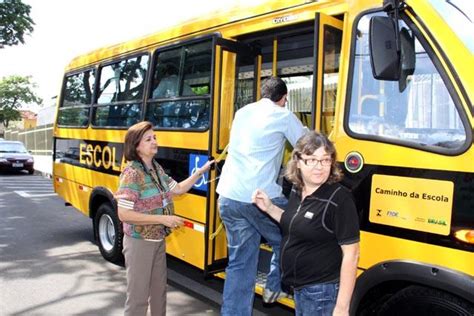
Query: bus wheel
419, 300
108, 231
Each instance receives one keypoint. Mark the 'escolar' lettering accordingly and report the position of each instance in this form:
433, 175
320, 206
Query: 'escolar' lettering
107, 161
97, 162
98, 156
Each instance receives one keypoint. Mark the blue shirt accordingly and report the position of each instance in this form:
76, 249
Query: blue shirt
255, 150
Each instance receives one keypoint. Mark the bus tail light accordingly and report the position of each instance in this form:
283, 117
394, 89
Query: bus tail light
466, 235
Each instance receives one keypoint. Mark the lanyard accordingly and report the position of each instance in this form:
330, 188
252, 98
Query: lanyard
153, 173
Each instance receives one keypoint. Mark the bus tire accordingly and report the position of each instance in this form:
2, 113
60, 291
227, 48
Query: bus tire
420, 300
109, 234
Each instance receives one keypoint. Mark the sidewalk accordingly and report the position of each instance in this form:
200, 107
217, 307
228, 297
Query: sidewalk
44, 165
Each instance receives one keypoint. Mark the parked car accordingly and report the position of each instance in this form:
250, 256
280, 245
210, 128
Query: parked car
14, 156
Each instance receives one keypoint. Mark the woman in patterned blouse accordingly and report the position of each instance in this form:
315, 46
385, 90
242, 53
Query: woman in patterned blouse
145, 207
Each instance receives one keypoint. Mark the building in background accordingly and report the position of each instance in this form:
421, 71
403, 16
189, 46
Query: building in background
46, 116
28, 119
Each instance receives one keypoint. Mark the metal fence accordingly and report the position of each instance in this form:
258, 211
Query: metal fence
38, 140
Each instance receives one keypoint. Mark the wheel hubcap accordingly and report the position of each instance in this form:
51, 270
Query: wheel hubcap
106, 232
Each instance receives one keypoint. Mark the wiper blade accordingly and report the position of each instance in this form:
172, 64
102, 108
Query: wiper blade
459, 9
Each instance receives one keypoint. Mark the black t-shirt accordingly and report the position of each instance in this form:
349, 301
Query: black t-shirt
313, 232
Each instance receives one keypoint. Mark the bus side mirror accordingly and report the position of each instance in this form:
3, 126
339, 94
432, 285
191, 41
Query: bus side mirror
384, 58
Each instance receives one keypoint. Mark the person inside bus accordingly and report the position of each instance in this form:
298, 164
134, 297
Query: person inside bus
255, 151
167, 84
145, 206
172, 113
320, 227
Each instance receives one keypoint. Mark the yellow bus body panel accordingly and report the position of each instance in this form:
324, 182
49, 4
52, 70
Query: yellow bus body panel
377, 248
393, 155
178, 139
191, 206
85, 177
70, 192
187, 244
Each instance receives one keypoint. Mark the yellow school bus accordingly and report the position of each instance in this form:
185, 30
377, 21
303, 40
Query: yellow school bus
390, 82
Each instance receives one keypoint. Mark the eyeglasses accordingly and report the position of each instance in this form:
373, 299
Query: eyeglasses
312, 162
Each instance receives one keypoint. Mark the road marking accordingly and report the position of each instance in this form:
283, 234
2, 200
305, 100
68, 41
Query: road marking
36, 191
25, 183
29, 186
7, 180
32, 187
27, 195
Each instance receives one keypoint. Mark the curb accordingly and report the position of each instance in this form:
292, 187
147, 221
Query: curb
43, 174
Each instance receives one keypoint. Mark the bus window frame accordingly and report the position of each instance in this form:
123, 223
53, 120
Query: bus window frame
443, 75
149, 87
63, 91
95, 103
338, 85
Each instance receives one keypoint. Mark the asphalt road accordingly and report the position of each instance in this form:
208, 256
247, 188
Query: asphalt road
50, 265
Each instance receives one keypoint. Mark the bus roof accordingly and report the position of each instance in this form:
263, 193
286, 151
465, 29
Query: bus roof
189, 27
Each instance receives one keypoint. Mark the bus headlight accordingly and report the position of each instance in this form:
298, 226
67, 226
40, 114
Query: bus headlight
466, 235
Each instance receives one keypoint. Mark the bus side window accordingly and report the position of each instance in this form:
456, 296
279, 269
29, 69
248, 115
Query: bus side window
121, 92
180, 96
75, 106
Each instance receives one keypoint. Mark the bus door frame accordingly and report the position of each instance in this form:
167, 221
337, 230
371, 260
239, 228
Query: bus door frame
321, 21
226, 57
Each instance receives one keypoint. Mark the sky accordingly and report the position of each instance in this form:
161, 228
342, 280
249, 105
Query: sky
67, 28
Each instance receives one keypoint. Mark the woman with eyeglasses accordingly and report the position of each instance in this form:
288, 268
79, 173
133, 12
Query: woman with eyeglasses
320, 228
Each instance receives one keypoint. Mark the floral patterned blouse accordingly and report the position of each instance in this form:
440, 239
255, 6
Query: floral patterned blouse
138, 192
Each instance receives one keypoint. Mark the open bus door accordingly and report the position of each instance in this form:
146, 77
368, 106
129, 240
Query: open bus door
328, 39
236, 66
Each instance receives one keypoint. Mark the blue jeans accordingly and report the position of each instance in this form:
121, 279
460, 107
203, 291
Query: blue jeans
316, 300
245, 224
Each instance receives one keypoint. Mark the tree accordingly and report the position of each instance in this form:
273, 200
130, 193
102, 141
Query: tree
14, 92
15, 22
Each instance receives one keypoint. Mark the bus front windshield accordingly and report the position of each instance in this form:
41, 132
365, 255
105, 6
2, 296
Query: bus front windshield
459, 14
422, 114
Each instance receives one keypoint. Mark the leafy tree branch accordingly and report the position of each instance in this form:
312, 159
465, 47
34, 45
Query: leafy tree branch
16, 91
15, 22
